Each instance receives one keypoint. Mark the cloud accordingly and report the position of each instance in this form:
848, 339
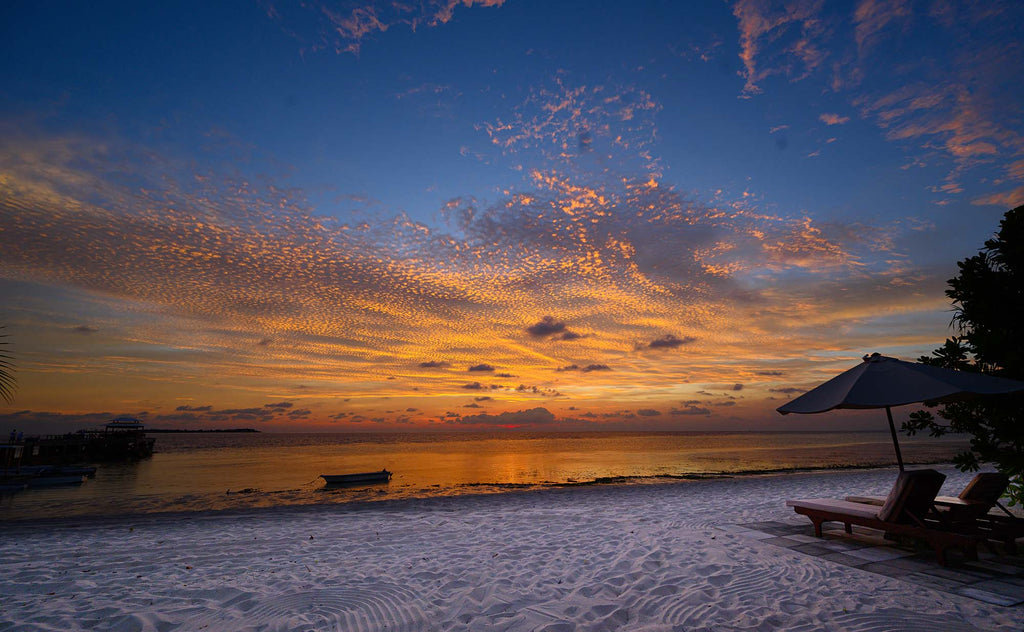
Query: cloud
532, 417
561, 121
585, 369
279, 405
1006, 199
85, 329
474, 386
944, 104
45, 421
182, 416
668, 341
789, 390
783, 41
737, 387
1015, 170
481, 368
546, 327
648, 412
343, 28
536, 390
833, 119
955, 116
872, 16
689, 410
221, 262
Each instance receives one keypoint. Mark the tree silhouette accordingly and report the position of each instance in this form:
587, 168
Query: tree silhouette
7, 381
988, 303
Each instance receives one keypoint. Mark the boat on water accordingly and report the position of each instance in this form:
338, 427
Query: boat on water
382, 476
88, 471
56, 480
12, 486
28, 476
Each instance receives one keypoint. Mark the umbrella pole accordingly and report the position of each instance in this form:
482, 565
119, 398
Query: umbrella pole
895, 442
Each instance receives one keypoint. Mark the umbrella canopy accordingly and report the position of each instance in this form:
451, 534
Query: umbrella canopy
883, 382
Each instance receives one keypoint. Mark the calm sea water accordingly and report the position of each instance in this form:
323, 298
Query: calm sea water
196, 472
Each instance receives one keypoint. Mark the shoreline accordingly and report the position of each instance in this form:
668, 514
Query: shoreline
496, 489
458, 491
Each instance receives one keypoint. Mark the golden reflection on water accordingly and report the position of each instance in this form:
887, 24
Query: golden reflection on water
204, 472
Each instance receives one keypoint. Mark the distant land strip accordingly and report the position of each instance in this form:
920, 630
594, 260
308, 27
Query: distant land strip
176, 431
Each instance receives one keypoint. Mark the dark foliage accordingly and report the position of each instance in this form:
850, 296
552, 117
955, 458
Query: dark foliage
7, 382
988, 303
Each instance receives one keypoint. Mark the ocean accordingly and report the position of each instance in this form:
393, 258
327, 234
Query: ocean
201, 472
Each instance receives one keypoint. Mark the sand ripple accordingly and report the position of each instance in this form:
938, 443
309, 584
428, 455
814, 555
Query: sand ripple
896, 620
356, 608
644, 558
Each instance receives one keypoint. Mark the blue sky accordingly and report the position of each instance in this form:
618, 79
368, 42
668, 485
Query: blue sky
347, 206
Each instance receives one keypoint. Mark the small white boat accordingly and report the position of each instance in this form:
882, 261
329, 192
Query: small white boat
382, 476
57, 470
12, 486
53, 481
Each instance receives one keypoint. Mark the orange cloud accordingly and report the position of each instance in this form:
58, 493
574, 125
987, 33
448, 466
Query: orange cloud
833, 119
956, 112
761, 26
872, 16
1006, 199
950, 112
249, 283
1015, 170
346, 28
562, 122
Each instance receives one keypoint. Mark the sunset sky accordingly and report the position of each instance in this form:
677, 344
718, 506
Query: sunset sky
489, 213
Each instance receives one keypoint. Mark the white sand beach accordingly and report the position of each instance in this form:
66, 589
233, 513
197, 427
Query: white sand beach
644, 557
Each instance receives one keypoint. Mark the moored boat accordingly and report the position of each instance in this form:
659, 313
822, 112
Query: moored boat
55, 480
382, 476
57, 470
11, 486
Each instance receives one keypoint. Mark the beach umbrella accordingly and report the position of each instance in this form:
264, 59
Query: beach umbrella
883, 382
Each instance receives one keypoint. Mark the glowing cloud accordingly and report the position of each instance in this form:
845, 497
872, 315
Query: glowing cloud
833, 119
347, 24
760, 25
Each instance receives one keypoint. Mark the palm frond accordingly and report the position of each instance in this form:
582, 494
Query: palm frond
7, 381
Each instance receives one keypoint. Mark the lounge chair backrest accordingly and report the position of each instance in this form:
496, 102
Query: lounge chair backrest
913, 494
986, 487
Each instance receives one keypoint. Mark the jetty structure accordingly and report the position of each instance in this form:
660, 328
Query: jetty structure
121, 439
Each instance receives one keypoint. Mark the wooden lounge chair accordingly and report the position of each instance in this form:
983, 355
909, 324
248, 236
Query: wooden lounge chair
976, 510
908, 511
